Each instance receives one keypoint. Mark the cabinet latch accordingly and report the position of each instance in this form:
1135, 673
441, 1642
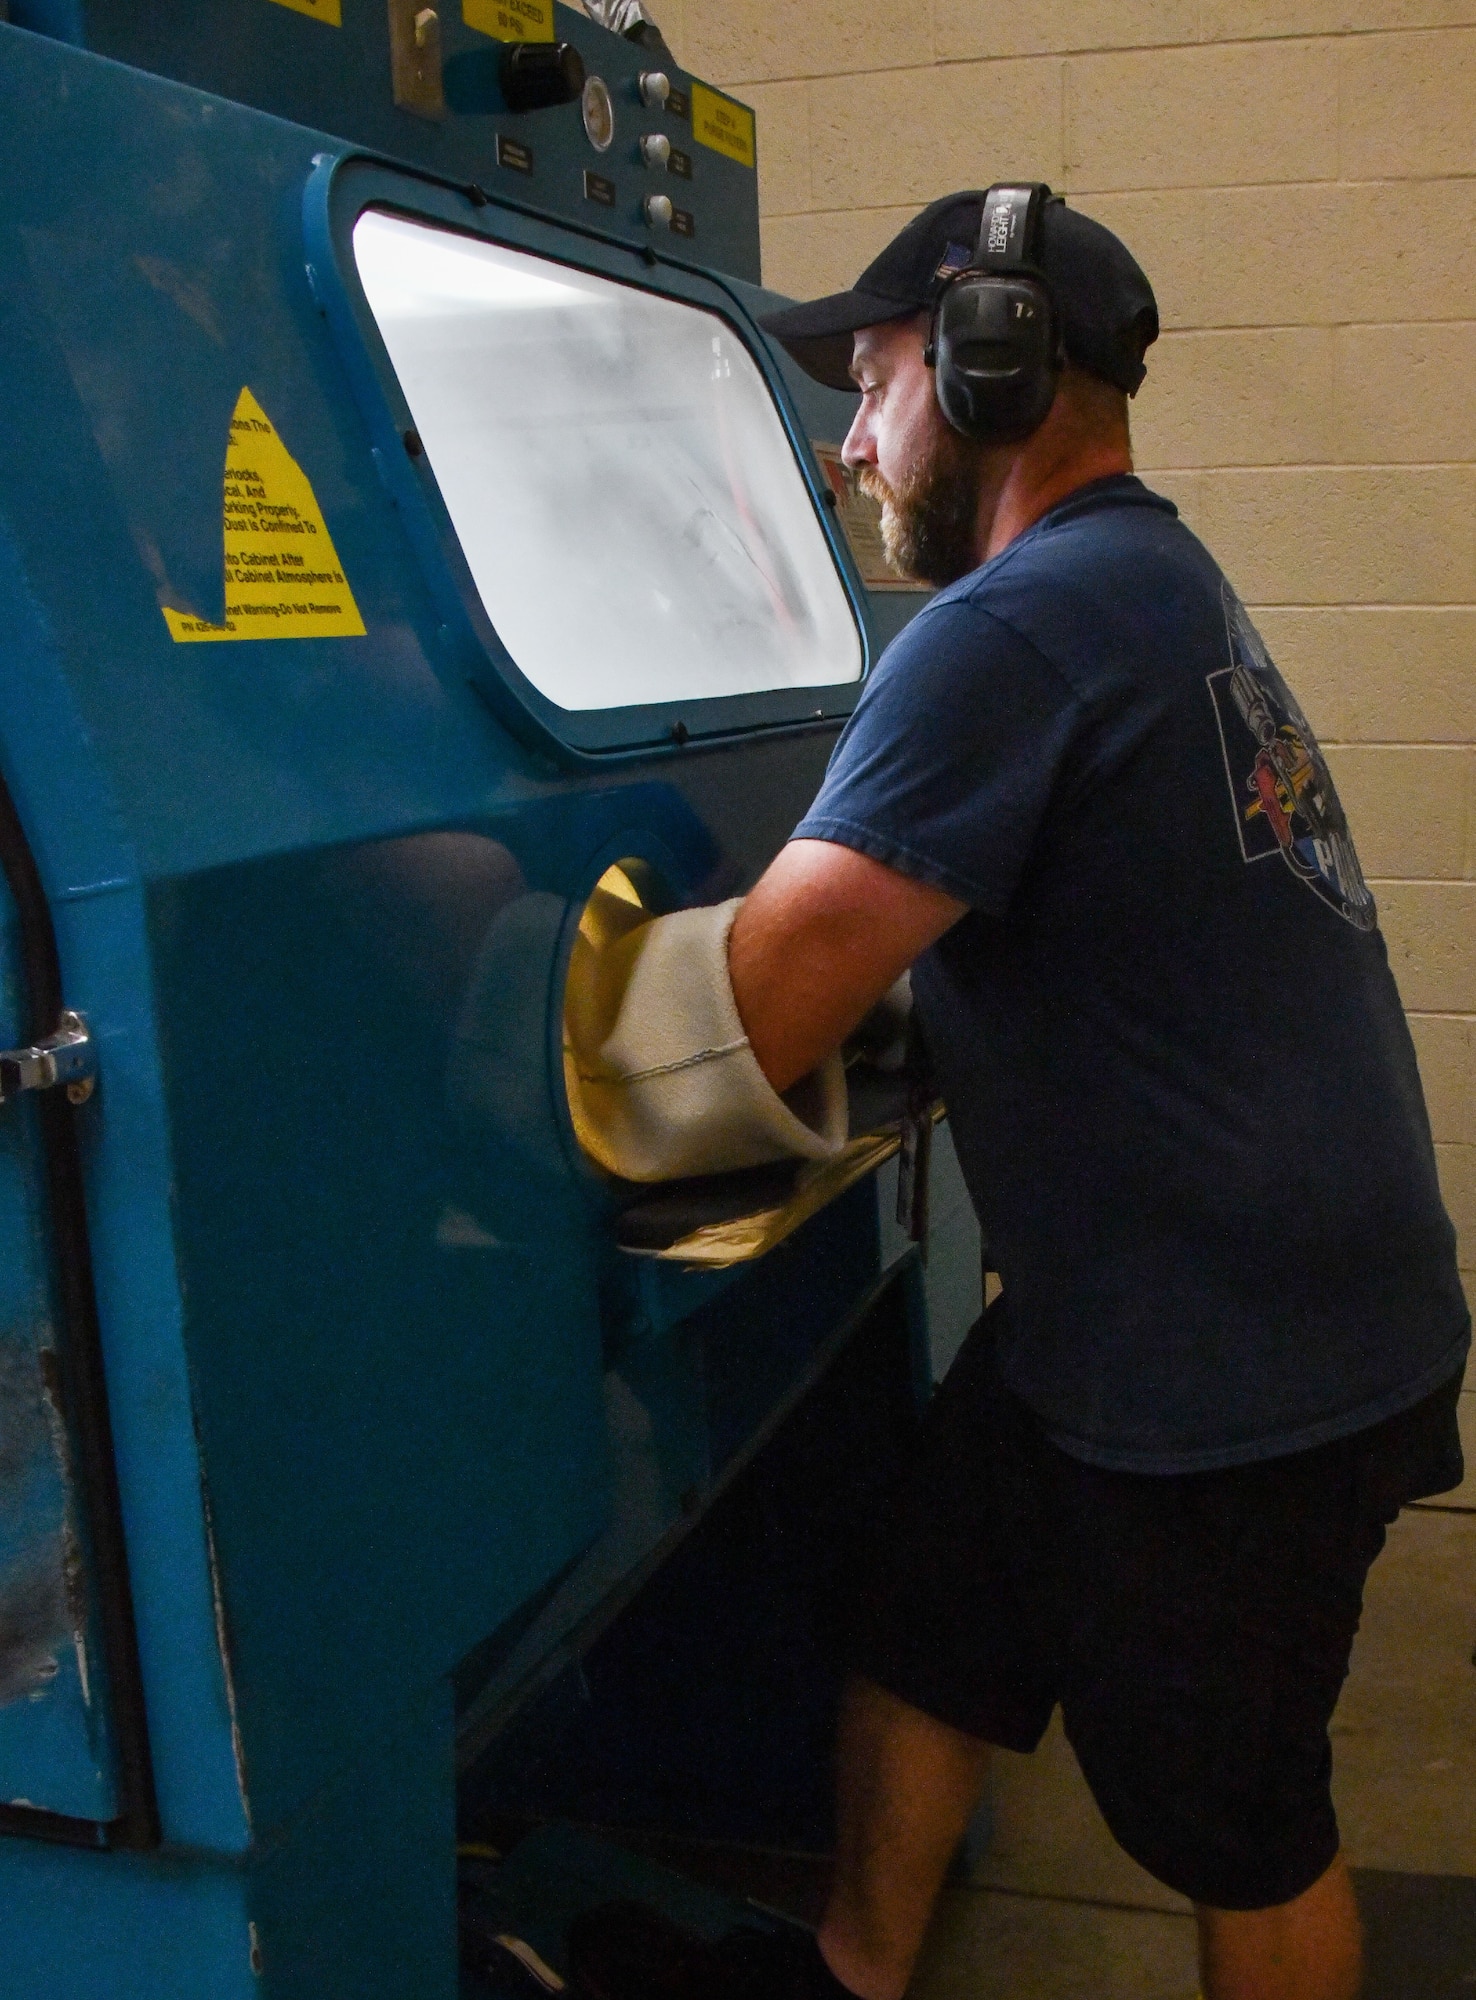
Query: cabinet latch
67, 1059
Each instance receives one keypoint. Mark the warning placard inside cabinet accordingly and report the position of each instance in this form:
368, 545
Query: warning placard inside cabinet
860, 519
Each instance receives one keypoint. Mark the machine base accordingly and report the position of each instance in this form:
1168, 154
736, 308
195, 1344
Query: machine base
356, 1898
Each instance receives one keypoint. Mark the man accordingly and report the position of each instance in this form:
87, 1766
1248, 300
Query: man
1077, 794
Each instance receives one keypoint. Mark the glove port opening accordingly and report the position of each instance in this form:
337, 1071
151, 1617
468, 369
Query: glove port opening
709, 1220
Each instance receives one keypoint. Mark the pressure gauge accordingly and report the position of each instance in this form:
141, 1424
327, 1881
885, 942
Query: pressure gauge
599, 113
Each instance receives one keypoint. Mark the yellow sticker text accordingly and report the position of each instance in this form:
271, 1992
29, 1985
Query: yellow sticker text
283, 579
725, 126
511, 20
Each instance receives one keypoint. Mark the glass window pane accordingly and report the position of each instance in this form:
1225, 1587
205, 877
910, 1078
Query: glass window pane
622, 486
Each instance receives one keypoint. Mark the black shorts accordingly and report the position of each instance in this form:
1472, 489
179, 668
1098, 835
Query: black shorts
1195, 1628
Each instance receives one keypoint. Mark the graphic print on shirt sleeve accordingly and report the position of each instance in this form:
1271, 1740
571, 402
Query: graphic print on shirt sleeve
1282, 791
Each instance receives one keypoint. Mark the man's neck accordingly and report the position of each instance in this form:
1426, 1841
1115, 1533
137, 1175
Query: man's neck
1039, 477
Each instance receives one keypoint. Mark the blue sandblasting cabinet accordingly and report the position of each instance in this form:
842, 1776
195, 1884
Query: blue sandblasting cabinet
404, 529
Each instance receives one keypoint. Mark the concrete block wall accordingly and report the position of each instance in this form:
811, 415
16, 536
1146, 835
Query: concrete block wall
1298, 177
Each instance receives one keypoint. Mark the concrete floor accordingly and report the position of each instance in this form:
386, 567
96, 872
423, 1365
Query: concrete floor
1055, 1911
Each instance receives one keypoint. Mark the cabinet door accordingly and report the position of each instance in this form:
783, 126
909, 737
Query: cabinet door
56, 1752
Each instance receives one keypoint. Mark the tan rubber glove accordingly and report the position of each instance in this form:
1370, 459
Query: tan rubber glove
663, 1081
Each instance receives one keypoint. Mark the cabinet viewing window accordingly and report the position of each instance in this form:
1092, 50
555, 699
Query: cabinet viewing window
617, 472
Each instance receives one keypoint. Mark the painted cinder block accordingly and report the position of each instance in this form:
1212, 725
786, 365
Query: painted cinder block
1309, 647
1183, 488
918, 133
1307, 255
1250, 397
1379, 673
748, 43
1407, 806
964, 31
1388, 251
1229, 257
1338, 535
1430, 929
1227, 20
810, 255
1458, 1187
1339, 255
1406, 392
783, 114
1446, 1047
1411, 673
1250, 112
673, 18
1407, 105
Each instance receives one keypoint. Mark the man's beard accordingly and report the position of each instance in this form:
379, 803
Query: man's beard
930, 521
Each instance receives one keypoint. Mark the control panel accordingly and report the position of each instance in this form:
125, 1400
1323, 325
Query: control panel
528, 100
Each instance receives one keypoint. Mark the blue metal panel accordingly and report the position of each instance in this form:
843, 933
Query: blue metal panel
388, 1244
393, 1315
364, 1338
291, 744
356, 1900
128, 1927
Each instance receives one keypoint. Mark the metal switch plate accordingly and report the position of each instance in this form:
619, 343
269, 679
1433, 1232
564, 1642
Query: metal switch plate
415, 57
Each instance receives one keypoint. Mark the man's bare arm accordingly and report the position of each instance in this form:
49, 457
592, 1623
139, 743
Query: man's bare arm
817, 943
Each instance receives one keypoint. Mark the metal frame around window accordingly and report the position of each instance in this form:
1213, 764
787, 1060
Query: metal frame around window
340, 188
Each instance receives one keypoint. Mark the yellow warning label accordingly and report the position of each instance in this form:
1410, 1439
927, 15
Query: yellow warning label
720, 123
511, 20
283, 579
330, 11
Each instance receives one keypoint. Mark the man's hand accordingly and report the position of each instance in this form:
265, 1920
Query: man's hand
816, 945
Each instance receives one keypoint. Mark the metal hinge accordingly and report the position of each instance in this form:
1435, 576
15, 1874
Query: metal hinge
67, 1059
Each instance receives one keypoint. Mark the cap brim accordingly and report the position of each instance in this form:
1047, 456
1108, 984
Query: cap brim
818, 333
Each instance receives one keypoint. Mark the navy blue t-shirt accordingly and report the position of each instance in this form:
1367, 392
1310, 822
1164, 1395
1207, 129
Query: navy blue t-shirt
1176, 1067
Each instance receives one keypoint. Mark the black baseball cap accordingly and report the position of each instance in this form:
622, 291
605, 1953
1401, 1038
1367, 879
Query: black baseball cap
1109, 316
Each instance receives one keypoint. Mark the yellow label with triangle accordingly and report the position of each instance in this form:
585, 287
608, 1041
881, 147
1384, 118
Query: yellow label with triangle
321, 10
283, 579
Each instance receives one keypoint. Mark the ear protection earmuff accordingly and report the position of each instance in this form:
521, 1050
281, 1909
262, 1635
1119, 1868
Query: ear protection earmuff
995, 342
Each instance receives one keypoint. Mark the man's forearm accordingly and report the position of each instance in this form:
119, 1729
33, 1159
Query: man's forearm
816, 945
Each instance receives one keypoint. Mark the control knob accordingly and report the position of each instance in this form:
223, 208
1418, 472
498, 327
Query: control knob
537, 75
